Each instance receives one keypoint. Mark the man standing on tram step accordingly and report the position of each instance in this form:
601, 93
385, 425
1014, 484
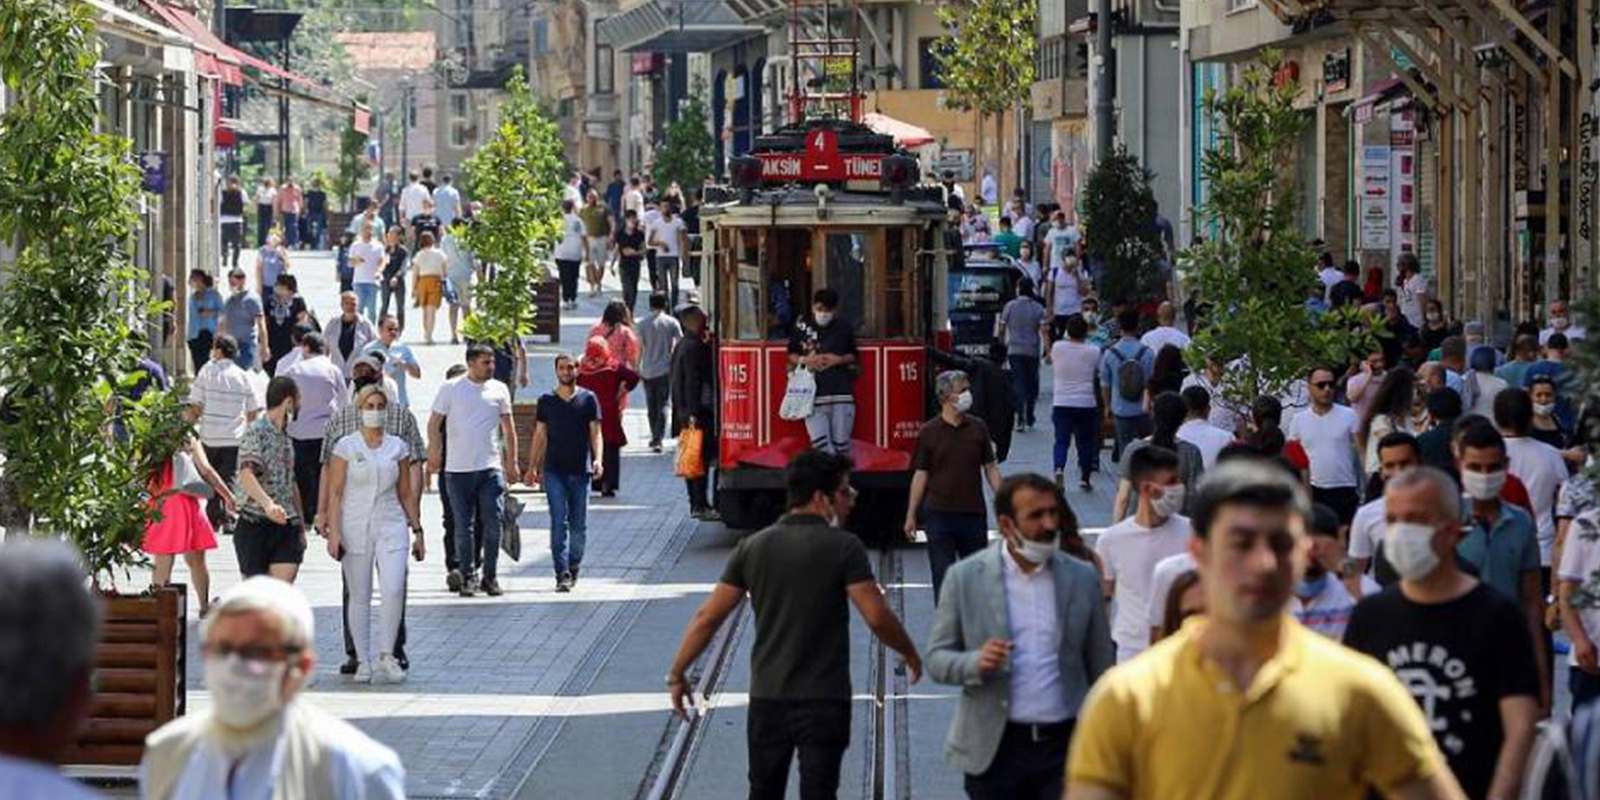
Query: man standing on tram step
826, 344
1024, 633
1293, 713
469, 410
658, 337
953, 451
1124, 373
565, 457
798, 573
322, 394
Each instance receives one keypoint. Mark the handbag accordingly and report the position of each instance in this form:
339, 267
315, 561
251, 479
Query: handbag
799, 396
511, 528
691, 446
186, 478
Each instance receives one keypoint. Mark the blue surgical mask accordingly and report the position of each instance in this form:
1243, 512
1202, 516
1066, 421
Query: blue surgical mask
1313, 587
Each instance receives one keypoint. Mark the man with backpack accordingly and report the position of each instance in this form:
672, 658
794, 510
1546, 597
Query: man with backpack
1124, 371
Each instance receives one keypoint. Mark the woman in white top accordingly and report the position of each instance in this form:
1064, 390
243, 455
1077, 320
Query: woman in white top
427, 281
1075, 411
369, 484
1390, 412
569, 252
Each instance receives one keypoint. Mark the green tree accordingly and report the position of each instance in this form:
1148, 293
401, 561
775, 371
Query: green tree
987, 63
73, 307
685, 159
353, 166
518, 175
1119, 212
1254, 275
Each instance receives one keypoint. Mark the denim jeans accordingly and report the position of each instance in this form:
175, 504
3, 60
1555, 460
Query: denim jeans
246, 357
396, 292
367, 301
1025, 385
291, 230
1584, 687
952, 536
1082, 425
1126, 429
569, 511
668, 267
482, 492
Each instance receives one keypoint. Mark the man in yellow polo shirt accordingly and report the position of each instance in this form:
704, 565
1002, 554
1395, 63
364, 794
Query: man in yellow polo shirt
1244, 703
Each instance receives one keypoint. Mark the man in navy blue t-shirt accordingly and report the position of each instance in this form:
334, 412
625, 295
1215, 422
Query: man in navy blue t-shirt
565, 458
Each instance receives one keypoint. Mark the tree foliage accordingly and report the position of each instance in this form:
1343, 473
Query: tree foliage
685, 159
1254, 275
518, 175
1119, 212
353, 165
987, 65
73, 306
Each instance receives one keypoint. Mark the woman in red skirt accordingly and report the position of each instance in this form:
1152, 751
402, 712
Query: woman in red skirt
182, 527
610, 380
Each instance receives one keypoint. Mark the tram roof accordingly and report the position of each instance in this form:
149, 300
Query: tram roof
797, 206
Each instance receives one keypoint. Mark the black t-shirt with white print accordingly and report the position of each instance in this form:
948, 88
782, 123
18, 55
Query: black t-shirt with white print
1458, 659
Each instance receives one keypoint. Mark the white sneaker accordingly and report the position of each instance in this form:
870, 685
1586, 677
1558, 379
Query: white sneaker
388, 670
363, 673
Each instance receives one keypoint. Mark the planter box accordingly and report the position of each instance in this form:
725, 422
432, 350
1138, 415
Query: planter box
547, 320
523, 419
139, 675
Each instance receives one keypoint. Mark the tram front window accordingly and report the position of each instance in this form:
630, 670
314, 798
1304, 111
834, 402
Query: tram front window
847, 275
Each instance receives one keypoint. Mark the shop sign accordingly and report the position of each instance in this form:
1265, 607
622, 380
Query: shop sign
1375, 171
1336, 70
1374, 223
1588, 173
958, 162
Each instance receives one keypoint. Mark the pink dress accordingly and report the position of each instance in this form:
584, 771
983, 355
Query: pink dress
624, 345
183, 527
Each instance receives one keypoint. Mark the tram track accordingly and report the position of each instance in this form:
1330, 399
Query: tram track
682, 742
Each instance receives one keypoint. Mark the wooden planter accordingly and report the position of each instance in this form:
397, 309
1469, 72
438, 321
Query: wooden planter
524, 416
139, 675
547, 301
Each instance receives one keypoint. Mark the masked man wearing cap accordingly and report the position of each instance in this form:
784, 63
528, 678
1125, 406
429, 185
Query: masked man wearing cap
1022, 629
258, 736
1457, 644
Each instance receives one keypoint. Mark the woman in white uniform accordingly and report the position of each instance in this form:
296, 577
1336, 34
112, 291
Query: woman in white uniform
371, 490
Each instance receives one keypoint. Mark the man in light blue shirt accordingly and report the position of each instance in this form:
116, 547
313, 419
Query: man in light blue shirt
446, 201
399, 362
1118, 387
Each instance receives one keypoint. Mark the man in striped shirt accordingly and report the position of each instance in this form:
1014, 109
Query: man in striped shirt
228, 403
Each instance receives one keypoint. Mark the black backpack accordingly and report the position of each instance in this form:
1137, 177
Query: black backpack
1130, 378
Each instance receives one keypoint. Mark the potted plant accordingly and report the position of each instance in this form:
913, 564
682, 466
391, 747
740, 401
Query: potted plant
74, 310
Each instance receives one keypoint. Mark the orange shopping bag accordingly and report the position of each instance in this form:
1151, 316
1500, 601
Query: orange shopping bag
691, 447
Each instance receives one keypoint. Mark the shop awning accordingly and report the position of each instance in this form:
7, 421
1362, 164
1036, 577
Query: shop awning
676, 27
905, 134
228, 57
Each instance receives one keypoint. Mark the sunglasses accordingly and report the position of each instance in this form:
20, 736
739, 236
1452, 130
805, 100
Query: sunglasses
1323, 385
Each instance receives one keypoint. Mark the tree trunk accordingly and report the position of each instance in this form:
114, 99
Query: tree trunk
14, 517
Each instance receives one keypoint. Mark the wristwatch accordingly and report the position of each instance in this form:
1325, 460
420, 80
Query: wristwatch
416, 529
675, 680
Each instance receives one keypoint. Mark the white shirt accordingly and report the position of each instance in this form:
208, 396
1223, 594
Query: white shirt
573, 192
446, 204
411, 199
1208, 438
226, 397
1580, 557
633, 200
648, 222
1542, 470
1130, 552
1036, 692
1573, 333
472, 414
1327, 439
990, 189
1073, 366
1022, 225
571, 246
1411, 299
1489, 387
428, 262
1060, 240
371, 518
265, 195
21, 779
361, 769
1327, 612
291, 358
1162, 577
366, 258
1330, 277
1160, 337
1068, 298
667, 232
1223, 415
1366, 530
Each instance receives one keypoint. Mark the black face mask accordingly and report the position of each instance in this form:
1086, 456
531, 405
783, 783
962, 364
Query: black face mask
364, 382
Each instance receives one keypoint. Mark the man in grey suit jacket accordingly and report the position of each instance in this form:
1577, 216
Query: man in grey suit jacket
1022, 628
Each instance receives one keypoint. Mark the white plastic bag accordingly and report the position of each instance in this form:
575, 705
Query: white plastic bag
800, 394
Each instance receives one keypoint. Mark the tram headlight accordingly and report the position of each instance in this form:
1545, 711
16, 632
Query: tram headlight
898, 173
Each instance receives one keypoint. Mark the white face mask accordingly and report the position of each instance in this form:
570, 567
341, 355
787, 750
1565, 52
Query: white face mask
823, 318
1037, 552
1483, 486
243, 693
1170, 502
1409, 548
371, 418
1559, 323
964, 401
1544, 409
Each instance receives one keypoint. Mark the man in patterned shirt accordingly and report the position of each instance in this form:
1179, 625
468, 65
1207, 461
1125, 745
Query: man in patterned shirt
398, 422
270, 538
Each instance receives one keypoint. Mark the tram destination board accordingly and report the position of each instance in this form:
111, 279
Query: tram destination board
820, 161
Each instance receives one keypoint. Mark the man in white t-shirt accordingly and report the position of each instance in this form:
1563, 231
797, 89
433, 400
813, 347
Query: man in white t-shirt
1166, 332
1329, 275
633, 198
1065, 287
670, 236
470, 410
1165, 574
1328, 433
1580, 558
1413, 292
1225, 416
1198, 430
1130, 549
1561, 323
1539, 466
412, 196
1060, 240
1397, 452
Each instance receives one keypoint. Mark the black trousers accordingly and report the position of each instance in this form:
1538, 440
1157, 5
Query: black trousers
650, 265
450, 535
1342, 499
225, 460
263, 223
232, 241
817, 730
568, 272
397, 292
611, 473
344, 616
657, 395
307, 472
629, 271
200, 349
1029, 765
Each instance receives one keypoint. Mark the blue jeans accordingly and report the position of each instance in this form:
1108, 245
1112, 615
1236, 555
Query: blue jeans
291, 230
477, 492
569, 512
1585, 687
1083, 425
246, 357
1126, 429
367, 301
952, 536
1025, 385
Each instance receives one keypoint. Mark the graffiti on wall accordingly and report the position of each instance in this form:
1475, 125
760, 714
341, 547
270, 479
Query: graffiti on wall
1069, 166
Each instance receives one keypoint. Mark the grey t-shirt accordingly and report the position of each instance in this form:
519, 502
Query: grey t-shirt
239, 314
658, 334
1022, 317
796, 572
